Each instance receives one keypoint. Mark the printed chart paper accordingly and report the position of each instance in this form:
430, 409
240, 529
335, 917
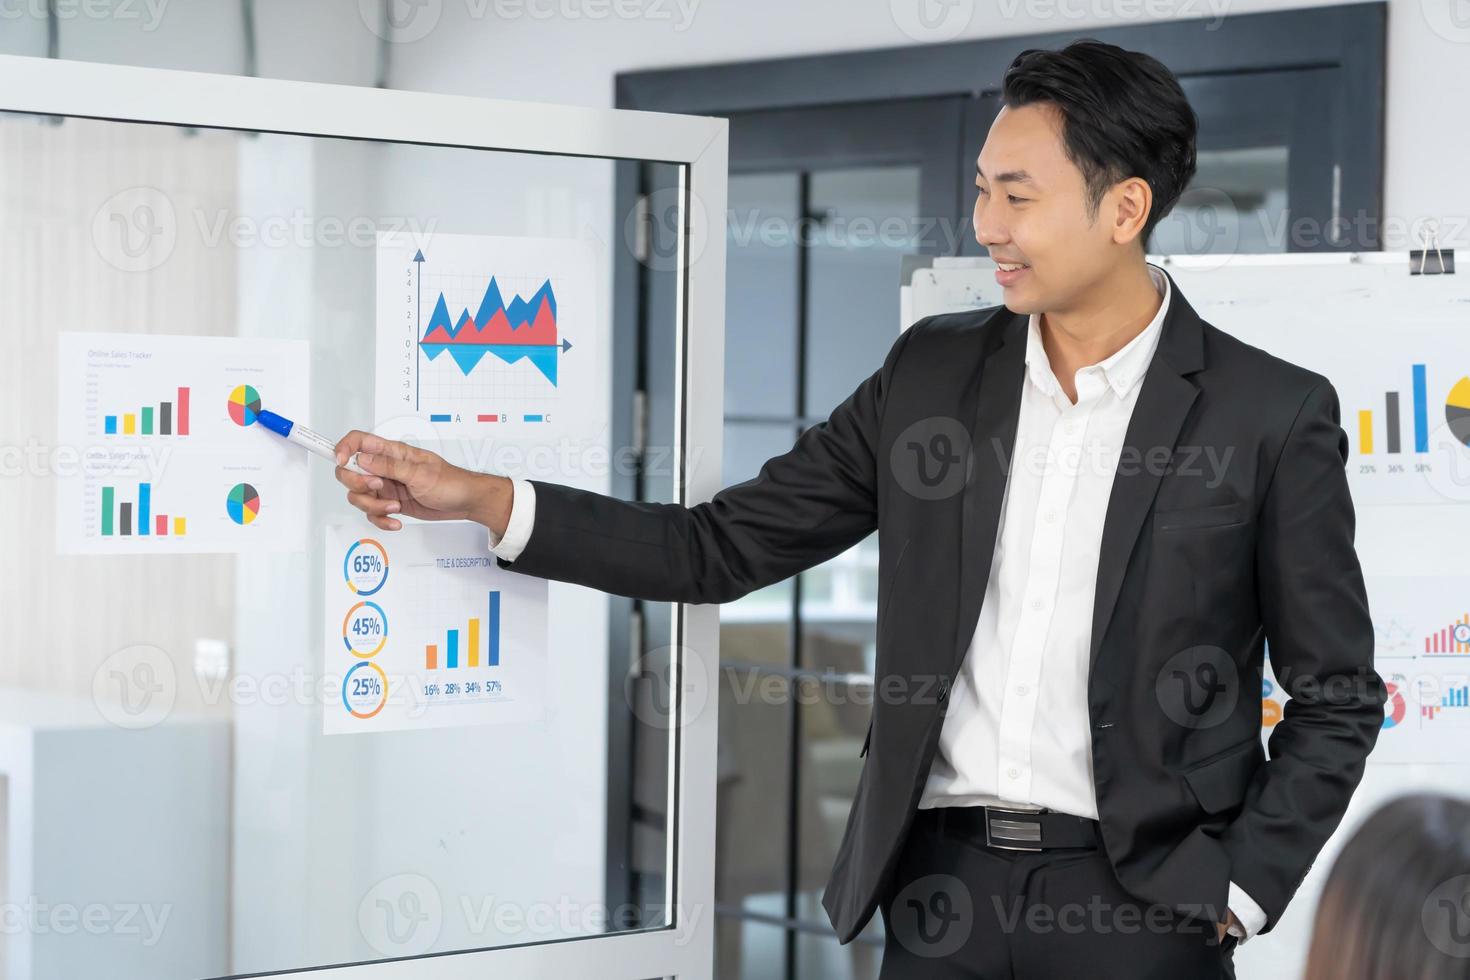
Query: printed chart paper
172, 459
486, 336
424, 630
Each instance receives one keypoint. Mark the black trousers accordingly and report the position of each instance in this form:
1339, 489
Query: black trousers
959, 909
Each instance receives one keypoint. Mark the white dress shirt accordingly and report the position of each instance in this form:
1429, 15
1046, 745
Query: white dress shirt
1028, 744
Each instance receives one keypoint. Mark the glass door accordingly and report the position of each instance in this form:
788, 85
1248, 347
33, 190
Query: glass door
242, 731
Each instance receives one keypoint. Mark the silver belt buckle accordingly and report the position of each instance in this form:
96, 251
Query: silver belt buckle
999, 829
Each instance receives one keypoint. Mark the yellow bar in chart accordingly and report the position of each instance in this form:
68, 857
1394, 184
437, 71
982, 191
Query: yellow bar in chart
179, 525
130, 424
474, 646
1365, 431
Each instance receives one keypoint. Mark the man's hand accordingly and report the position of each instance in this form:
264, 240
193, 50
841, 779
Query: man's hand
1221, 927
403, 479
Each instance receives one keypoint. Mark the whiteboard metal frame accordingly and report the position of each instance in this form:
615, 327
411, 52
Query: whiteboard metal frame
701, 144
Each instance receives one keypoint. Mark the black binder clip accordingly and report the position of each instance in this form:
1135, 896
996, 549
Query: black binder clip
1443, 263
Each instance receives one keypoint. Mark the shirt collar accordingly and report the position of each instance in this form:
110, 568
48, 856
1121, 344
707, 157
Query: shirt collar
1122, 369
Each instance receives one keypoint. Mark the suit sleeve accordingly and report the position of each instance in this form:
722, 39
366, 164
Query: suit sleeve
803, 507
1315, 611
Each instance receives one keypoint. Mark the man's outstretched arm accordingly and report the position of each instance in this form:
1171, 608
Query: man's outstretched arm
803, 507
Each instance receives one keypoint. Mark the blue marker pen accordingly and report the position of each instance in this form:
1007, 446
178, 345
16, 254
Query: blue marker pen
312, 442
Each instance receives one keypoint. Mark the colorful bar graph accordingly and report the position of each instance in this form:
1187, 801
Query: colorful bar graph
171, 418
475, 628
1392, 422
1444, 641
128, 518
1455, 697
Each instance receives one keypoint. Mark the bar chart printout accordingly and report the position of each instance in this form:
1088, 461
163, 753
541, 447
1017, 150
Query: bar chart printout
424, 630
173, 461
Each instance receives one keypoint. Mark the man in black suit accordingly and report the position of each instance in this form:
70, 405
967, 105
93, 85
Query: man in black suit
1093, 511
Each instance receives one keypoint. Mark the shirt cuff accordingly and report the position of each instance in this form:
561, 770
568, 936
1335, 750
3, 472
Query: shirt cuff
518, 529
1251, 915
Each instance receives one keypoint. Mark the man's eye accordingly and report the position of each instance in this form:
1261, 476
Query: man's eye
1014, 199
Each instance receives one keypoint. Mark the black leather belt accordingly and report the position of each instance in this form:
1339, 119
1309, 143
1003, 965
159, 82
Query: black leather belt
1015, 830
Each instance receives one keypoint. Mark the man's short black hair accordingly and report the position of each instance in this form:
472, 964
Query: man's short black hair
1124, 116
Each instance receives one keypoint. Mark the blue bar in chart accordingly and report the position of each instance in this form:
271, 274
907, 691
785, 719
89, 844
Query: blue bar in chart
1421, 411
492, 658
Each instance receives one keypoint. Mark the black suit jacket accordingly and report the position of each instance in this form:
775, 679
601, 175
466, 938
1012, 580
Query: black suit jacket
1229, 524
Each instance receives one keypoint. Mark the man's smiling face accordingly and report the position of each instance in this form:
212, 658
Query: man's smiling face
1031, 209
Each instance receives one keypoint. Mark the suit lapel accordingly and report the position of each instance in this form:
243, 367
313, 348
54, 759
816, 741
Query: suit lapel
993, 435
1153, 432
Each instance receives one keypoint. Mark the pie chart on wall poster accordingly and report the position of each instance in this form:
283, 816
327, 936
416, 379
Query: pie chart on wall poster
243, 503
244, 405
1457, 410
